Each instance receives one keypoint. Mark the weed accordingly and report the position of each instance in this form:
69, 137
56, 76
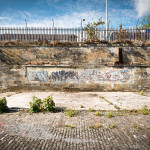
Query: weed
109, 114
9, 95
82, 106
144, 110
69, 126
91, 109
142, 93
71, 113
102, 97
134, 110
38, 105
117, 107
92, 127
97, 113
137, 127
97, 125
112, 125
108, 102
148, 127
3, 105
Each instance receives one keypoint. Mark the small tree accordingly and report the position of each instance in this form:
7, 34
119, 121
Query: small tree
90, 28
145, 23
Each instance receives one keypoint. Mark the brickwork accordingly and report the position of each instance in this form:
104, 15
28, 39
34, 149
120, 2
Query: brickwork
48, 131
81, 68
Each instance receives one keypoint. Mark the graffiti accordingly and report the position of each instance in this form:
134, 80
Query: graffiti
38, 76
113, 75
82, 76
63, 76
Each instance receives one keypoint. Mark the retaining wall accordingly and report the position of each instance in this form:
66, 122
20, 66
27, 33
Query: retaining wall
75, 68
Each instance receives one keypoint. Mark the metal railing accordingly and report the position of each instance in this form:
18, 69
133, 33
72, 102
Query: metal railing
70, 34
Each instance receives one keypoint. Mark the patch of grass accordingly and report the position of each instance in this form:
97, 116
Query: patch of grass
91, 109
109, 114
137, 127
69, 126
148, 127
142, 93
117, 107
98, 113
92, 127
9, 95
144, 110
134, 110
81, 106
96, 126
102, 97
112, 125
71, 113
108, 102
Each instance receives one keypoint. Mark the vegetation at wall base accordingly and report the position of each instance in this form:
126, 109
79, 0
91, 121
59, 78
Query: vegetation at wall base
3, 105
39, 105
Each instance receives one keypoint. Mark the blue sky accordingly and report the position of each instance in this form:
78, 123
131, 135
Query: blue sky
68, 13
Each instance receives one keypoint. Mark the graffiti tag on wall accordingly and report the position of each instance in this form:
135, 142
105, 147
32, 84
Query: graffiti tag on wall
76, 76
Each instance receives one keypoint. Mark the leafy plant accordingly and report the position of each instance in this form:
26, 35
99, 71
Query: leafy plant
109, 114
71, 113
3, 105
144, 110
90, 29
38, 105
142, 93
48, 104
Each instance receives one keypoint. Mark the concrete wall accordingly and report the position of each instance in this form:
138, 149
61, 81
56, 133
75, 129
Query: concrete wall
76, 68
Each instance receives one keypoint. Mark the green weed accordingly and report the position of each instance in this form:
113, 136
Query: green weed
91, 109
112, 125
109, 114
71, 113
69, 126
144, 110
97, 113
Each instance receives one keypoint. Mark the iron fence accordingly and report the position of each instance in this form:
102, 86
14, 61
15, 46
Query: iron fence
70, 34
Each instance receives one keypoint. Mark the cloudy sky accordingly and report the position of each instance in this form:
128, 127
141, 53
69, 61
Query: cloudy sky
68, 13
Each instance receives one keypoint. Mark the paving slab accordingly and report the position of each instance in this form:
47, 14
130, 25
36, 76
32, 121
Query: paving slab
56, 131
74, 100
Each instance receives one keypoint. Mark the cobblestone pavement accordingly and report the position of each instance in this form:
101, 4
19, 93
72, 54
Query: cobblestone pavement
42, 131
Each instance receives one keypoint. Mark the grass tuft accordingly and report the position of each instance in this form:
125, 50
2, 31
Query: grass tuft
109, 114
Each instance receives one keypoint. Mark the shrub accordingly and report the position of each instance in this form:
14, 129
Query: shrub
38, 105
3, 105
48, 104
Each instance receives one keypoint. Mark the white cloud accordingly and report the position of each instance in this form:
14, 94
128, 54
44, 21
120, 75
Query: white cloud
142, 7
4, 18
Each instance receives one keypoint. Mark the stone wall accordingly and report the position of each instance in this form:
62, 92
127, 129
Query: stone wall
75, 68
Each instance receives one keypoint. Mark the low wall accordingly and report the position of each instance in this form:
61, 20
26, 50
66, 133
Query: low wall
78, 68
